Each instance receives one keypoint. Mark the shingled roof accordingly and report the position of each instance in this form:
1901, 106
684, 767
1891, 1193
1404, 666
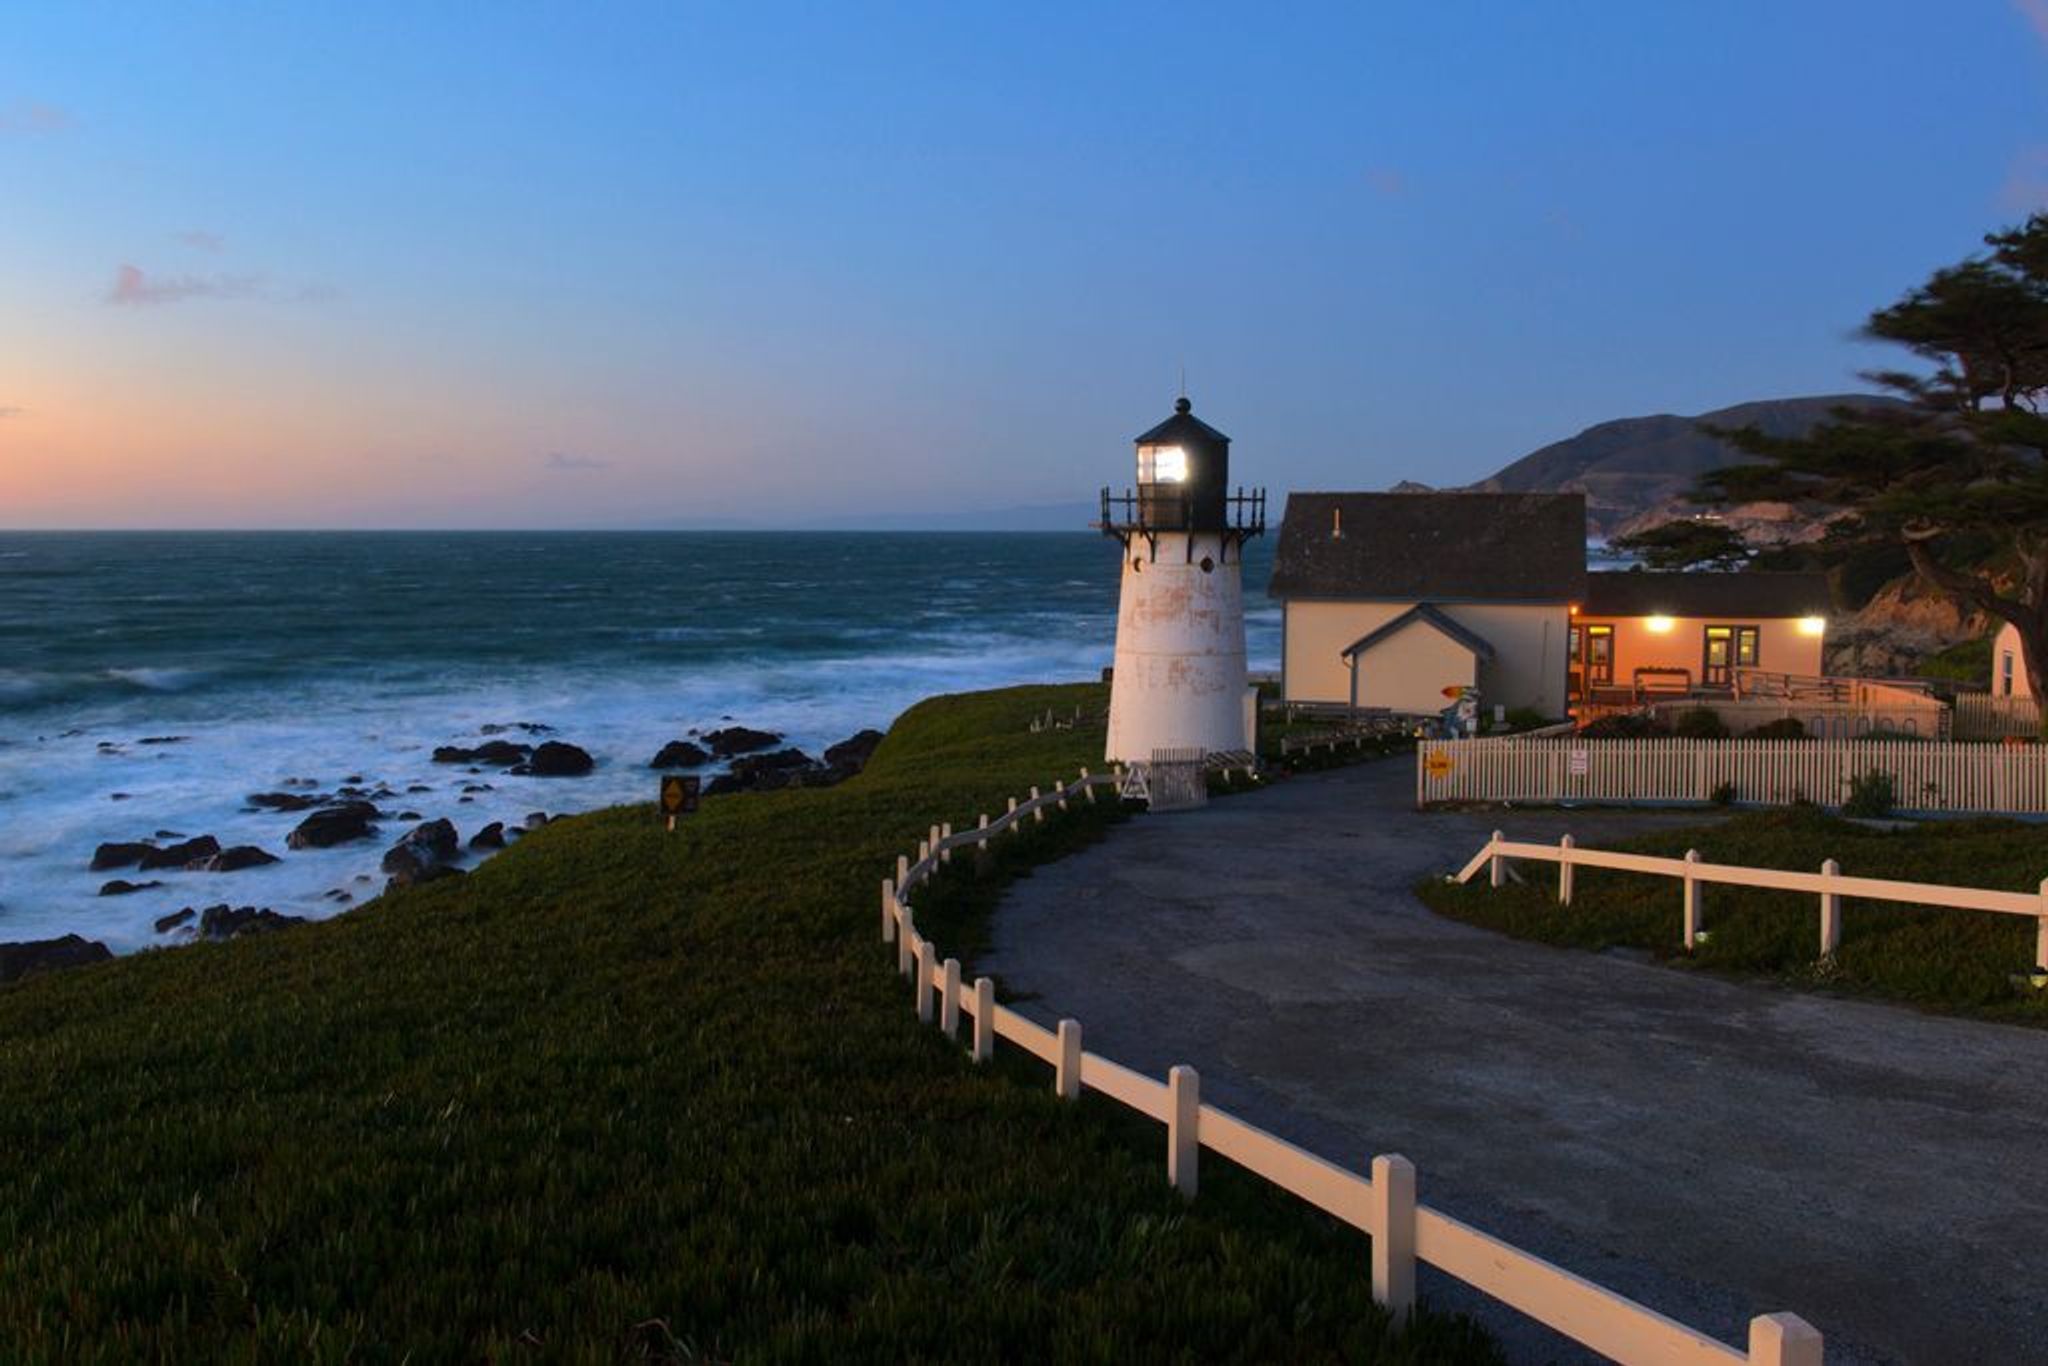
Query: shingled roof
1725, 597
1441, 547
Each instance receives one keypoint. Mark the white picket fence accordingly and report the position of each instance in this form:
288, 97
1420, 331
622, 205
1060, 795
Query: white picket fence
1830, 885
1983, 716
1951, 778
1382, 1205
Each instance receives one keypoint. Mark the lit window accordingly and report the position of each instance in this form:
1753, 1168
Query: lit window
1162, 465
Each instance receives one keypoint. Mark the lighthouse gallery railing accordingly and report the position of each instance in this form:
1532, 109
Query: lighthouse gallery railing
1383, 1205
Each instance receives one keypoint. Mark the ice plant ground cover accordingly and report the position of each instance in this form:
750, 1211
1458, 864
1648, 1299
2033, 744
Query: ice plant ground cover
620, 1094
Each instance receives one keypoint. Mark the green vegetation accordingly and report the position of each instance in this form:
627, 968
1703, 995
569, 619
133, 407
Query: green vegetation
1967, 662
620, 1094
1959, 962
1700, 723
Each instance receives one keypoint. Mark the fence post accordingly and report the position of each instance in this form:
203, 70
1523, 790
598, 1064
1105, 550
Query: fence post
925, 954
1061, 789
1783, 1340
1830, 912
949, 998
984, 1019
1393, 1235
888, 910
1087, 787
1183, 1129
1564, 870
1013, 815
924, 850
903, 872
1066, 1078
2041, 930
937, 854
1692, 900
1037, 812
1497, 867
905, 933
982, 842
945, 833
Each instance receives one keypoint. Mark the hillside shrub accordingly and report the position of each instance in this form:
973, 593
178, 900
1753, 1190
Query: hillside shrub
1784, 728
1625, 726
1871, 795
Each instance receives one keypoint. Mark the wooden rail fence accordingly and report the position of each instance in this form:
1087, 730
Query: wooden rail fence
1830, 885
1382, 1205
1927, 777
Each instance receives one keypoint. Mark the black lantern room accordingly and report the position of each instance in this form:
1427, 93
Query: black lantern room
1184, 486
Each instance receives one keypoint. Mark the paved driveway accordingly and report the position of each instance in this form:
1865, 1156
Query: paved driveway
1715, 1149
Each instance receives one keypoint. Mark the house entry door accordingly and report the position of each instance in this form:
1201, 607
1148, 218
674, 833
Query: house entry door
1727, 648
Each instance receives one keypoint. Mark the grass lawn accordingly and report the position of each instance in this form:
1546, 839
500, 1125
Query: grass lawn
621, 1095
1960, 962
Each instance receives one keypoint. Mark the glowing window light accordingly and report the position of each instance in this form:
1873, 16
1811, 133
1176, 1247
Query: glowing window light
1813, 626
1660, 625
1162, 465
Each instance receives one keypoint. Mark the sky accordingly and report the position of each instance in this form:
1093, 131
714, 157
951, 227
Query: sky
611, 265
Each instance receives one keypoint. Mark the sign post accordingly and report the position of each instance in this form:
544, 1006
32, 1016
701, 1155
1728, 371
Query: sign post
678, 797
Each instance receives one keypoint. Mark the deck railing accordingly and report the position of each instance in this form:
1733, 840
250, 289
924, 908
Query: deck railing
1830, 885
1381, 1205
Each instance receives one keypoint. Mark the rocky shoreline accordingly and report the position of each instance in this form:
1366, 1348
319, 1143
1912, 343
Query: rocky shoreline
358, 809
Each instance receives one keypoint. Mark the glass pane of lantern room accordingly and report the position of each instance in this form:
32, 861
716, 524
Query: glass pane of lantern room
1162, 465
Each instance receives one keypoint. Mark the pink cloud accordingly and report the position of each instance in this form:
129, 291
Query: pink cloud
133, 287
2035, 12
30, 117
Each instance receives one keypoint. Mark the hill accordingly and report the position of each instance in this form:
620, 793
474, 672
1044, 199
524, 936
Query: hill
1635, 466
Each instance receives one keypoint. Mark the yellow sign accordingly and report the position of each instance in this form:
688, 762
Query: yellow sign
678, 796
1437, 764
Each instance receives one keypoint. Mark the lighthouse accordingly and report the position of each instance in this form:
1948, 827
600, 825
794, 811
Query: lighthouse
1179, 681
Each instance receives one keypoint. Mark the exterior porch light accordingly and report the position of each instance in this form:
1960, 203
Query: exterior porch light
1660, 625
1813, 626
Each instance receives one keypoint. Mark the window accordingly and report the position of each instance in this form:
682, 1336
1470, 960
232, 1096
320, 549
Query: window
1599, 655
1727, 649
2005, 673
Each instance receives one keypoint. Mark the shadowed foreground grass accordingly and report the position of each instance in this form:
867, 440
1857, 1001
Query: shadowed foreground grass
1958, 962
625, 1095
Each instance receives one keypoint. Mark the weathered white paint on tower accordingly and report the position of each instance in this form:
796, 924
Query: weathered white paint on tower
1180, 658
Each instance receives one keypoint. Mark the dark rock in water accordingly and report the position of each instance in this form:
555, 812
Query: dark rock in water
738, 740
165, 923
163, 740
29, 957
478, 787
332, 825
536, 819
232, 860
417, 788
119, 887
288, 801
491, 836
556, 760
765, 773
340, 896
223, 922
169, 835
119, 855
854, 751
118, 796
489, 752
180, 855
408, 815
465, 801
530, 727
432, 843
680, 754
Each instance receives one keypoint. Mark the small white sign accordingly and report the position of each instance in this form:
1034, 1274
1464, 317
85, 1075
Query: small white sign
1581, 761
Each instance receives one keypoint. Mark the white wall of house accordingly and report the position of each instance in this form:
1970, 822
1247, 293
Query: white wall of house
1528, 668
2009, 677
1409, 670
1783, 645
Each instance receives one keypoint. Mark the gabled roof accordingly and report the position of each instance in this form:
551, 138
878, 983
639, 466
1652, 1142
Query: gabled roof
1490, 547
1735, 597
1424, 613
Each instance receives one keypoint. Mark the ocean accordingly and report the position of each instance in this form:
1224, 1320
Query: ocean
150, 681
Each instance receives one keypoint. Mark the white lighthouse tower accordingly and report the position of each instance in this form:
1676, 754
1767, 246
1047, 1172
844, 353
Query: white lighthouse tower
1179, 681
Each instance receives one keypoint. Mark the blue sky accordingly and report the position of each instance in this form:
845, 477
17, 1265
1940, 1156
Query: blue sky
506, 265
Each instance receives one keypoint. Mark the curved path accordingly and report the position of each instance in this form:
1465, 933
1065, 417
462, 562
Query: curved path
1713, 1148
